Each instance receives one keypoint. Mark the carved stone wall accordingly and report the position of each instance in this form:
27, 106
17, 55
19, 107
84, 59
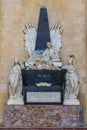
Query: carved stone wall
15, 14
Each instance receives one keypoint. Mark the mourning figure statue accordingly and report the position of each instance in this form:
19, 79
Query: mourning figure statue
50, 53
72, 80
15, 83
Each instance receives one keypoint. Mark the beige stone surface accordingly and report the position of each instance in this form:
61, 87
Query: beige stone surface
14, 14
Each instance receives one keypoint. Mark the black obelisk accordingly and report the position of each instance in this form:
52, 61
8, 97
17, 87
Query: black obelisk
43, 34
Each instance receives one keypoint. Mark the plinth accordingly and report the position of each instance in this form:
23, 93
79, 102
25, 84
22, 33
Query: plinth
36, 116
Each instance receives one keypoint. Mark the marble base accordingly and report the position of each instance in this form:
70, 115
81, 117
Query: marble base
47, 128
42, 116
15, 101
71, 102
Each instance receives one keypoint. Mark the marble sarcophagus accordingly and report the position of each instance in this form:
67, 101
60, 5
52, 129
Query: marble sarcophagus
43, 86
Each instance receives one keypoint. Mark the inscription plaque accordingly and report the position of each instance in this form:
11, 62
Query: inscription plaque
41, 97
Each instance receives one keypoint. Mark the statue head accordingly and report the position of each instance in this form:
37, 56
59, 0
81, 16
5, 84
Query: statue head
16, 61
71, 59
49, 45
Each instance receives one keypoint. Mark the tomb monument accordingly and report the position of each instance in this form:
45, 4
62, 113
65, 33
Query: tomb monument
43, 92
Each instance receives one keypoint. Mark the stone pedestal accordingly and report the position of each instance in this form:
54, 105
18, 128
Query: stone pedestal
15, 101
71, 102
42, 116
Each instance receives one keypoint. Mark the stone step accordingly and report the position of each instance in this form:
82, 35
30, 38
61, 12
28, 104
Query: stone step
48, 128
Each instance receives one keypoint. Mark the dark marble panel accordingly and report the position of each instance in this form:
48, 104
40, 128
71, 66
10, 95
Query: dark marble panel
43, 35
